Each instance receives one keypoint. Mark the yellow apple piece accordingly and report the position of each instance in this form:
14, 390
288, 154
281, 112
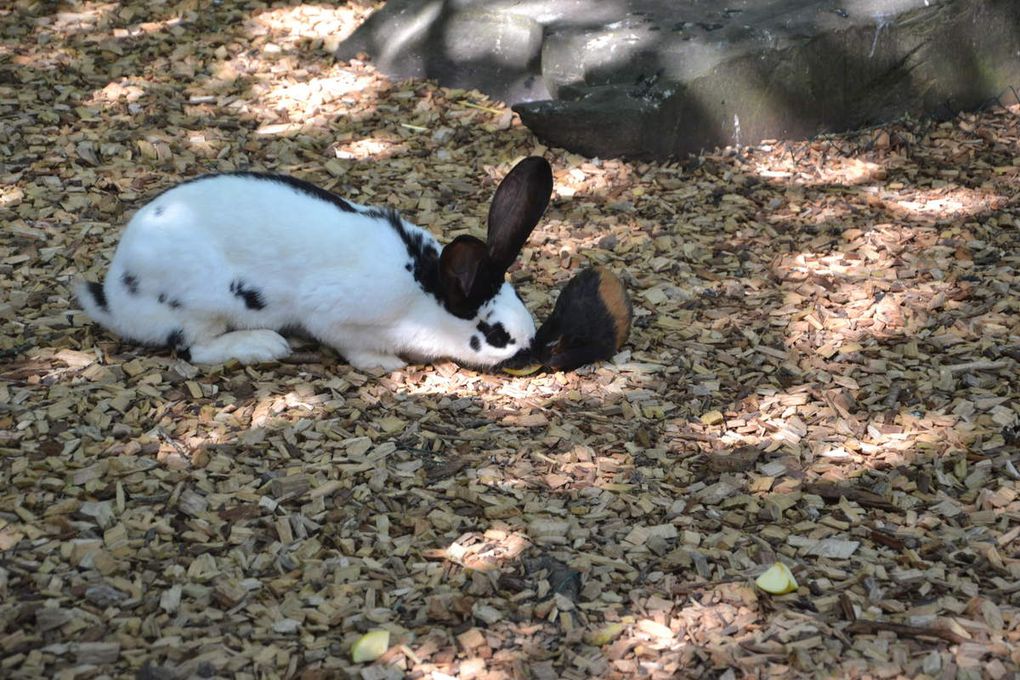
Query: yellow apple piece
527, 370
605, 635
370, 646
777, 579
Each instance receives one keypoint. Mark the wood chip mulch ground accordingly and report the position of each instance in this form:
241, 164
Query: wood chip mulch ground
823, 372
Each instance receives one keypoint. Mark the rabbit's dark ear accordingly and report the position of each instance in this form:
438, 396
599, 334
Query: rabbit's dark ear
463, 271
519, 202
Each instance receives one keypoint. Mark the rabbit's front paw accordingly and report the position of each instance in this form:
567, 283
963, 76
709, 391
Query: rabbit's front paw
248, 347
364, 361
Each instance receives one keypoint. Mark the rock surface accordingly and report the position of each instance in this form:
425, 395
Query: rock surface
663, 78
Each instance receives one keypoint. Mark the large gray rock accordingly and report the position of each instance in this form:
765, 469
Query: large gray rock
663, 78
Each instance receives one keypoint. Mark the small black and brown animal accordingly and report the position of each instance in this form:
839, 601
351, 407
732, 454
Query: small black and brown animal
590, 322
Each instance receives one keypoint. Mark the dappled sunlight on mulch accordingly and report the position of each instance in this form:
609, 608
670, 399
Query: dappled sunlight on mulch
822, 372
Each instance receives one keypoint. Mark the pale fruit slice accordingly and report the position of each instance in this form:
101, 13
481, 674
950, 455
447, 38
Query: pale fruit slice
605, 635
370, 646
527, 370
777, 579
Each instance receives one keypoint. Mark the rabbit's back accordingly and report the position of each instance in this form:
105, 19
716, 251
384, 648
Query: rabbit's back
265, 221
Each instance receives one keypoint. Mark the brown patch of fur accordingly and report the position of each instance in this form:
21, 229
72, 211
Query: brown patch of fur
614, 296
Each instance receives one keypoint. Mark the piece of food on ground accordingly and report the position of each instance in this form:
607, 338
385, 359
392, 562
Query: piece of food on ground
370, 646
777, 580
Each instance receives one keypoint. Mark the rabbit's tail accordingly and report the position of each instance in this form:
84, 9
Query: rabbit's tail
92, 298
133, 317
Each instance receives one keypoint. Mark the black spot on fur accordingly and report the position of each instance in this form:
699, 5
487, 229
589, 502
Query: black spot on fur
424, 252
302, 186
159, 210
252, 296
98, 295
495, 334
421, 248
172, 303
175, 341
130, 282
295, 330
476, 344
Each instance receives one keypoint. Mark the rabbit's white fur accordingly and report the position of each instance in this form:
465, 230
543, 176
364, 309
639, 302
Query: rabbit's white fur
216, 267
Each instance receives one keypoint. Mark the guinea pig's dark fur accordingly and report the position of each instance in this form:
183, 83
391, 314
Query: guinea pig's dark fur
590, 322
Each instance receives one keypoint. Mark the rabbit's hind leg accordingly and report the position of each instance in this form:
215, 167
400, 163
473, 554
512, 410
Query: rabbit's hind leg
196, 335
248, 347
143, 317
210, 341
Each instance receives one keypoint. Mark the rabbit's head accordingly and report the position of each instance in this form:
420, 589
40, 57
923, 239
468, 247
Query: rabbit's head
472, 272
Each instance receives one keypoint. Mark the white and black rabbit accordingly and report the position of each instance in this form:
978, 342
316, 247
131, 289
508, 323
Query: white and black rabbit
215, 267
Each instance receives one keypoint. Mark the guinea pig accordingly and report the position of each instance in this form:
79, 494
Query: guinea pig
590, 322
